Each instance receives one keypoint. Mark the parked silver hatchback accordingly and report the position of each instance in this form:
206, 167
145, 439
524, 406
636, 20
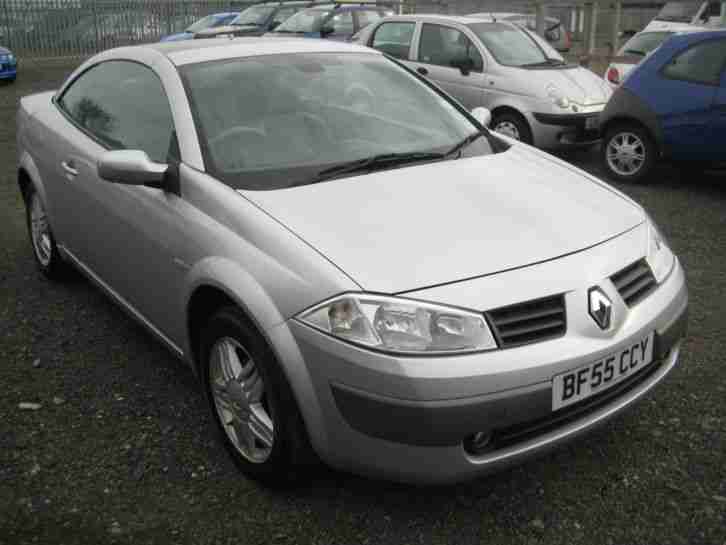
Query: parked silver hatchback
535, 96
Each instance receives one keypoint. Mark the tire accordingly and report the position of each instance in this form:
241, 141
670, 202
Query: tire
42, 242
513, 125
634, 141
279, 448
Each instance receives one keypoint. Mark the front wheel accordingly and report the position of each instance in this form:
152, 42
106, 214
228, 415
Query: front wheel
629, 153
512, 125
251, 401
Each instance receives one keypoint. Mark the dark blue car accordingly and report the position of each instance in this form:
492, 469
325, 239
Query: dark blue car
672, 106
8, 65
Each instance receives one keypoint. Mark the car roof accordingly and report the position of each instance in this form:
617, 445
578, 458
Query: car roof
460, 19
193, 51
689, 37
506, 15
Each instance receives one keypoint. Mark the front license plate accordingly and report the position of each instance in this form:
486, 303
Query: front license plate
596, 377
592, 123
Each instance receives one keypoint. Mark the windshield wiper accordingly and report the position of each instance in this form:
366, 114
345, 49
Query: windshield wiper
376, 162
635, 52
548, 62
465, 142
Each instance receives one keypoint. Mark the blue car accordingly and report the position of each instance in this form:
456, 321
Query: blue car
8, 65
210, 21
672, 106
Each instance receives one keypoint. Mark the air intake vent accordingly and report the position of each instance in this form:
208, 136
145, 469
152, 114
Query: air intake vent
635, 282
530, 322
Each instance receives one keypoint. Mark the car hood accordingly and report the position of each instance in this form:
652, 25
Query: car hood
579, 85
435, 223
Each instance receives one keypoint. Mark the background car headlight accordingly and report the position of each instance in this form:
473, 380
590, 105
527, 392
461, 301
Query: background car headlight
660, 256
558, 97
401, 325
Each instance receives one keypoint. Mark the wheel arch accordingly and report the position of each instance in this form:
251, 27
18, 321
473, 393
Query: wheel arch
218, 282
503, 109
29, 176
624, 121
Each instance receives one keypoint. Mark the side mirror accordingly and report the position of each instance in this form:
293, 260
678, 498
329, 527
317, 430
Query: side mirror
465, 64
274, 25
482, 115
327, 30
131, 167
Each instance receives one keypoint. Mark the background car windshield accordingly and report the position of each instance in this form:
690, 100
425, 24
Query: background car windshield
509, 45
642, 44
682, 12
202, 24
309, 20
255, 15
276, 121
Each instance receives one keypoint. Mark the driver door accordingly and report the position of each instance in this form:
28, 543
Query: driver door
127, 237
439, 49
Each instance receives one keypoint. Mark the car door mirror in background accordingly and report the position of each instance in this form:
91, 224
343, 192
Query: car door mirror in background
465, 64
274, 25
482, 115
131, 167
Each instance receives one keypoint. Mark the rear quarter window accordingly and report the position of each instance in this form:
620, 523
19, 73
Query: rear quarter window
701, 63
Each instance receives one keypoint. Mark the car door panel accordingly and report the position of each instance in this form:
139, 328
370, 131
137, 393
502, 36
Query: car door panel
430, 61
718, 123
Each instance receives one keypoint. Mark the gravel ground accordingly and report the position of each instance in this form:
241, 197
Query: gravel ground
121, 449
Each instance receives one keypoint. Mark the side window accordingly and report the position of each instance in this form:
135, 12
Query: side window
366, 17
341, 23
282, 15
124, 106
394, 39
447, 46
702, 63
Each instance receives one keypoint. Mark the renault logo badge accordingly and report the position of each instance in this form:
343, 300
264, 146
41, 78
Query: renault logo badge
600, 307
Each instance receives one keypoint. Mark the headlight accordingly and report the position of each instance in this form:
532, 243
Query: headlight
660, 256
401, 325
558, 98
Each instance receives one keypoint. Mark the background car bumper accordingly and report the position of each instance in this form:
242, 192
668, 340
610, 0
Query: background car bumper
409, 419
8, 73
562, 131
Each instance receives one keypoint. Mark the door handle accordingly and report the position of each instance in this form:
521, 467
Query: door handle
70, 168
423, 71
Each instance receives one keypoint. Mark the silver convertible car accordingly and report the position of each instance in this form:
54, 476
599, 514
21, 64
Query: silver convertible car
393, 290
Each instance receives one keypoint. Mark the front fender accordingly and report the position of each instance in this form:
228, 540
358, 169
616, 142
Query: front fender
242, 288
27, 163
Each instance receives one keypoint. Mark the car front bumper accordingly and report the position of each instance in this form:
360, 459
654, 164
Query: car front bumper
563, 131
409, 419
8, 71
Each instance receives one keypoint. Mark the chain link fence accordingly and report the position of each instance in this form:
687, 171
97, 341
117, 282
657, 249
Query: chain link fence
35, 29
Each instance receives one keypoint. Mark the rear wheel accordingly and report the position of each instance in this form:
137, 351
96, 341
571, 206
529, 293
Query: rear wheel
629, 153
251, 401
46, 254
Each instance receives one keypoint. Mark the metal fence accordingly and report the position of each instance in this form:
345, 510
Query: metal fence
78, 28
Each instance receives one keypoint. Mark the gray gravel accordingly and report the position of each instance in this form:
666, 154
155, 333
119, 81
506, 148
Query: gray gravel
121, 451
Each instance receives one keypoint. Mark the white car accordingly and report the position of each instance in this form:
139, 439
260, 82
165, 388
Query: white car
679, 16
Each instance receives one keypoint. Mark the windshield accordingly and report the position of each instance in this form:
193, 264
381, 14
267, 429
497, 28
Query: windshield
278, 121
309, 20
207, 22
509, 45
681, 12
256, 15
642, 44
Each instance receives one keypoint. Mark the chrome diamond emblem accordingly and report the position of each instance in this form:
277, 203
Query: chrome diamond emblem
600, 307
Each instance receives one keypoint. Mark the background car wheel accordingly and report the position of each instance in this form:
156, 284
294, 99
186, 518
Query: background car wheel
629, 153
251, 401
45, 251
512, 125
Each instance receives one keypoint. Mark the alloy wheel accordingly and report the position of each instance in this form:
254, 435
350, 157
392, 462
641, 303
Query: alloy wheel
507, 128
239, 398
625, 154
40, 231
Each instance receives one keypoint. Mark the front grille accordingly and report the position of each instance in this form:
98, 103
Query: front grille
529, 322
635, 282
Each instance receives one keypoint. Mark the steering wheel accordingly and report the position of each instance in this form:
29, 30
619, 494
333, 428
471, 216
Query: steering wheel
236, 144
